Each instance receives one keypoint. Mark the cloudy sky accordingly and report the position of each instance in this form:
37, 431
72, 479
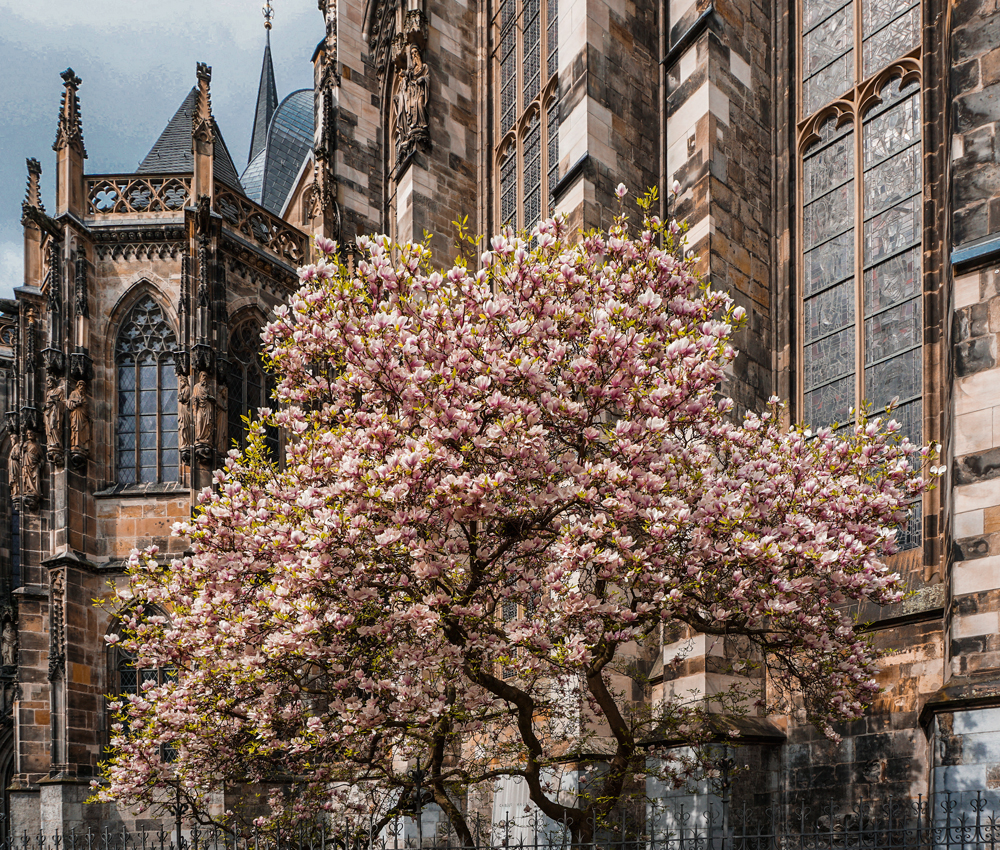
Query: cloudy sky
137, 61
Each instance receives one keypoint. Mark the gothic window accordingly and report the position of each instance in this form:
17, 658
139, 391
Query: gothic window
861, 186
128, 680
526, 152
248, 384
146, 429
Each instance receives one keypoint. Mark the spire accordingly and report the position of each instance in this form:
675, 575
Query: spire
70, 132
267, 92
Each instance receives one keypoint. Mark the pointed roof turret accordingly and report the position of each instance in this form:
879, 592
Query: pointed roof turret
172, 152
267, 93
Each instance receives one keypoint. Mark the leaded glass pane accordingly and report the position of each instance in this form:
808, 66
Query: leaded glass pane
891, 131
814, 11
508, 188
875, 14
901, 376
895, 280
893, 230
831, 357
509, 609
830, 39
126, 441
895, 330
909, 536
552, 137
508, 65
169, 464
147, 433
531, 50
910, 418
829, 215
126, 473
126, 404
827, 168
533, 172
147, 402
829, 262
147, 466
552, 26
891, 181
900, 37
829, 311
830, 83
830, 403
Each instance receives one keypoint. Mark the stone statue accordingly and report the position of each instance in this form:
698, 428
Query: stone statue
203, 404
411, 127
8, 645
54, 415
31, 466
417, 87
183, 411
14, 466
79, 420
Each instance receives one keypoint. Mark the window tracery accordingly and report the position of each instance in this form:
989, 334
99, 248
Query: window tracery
861, 183
526, 150
146, 427
248, 384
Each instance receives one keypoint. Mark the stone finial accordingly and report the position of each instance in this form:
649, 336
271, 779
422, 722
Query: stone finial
202, 121
70, 133
32, 193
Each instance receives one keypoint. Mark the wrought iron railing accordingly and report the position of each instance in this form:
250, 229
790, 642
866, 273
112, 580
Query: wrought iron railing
968, 821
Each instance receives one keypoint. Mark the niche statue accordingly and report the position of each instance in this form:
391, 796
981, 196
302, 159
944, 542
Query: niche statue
54, 416
79, 423
411, 105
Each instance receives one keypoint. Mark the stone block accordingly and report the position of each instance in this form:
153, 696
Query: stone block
974, 432
969, 524
976, 576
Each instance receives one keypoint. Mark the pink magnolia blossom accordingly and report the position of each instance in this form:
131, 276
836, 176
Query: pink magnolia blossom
497, 482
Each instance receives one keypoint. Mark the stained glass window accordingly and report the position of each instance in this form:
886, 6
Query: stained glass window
861, 311
248, 384
146, 428
526, 59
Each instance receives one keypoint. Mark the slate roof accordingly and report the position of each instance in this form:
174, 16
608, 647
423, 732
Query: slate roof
270, 176
172, 152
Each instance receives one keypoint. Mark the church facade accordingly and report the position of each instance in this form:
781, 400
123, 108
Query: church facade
839, 168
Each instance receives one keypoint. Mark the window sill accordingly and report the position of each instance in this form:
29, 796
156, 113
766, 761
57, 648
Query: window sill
161, 488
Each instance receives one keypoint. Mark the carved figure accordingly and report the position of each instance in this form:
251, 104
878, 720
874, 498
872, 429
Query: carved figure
8, 645
184, 411
31, 465
411, 105
79, 419
14, 466
55, 410
204, 412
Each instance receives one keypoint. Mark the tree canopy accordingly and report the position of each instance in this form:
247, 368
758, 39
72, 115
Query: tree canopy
499, 483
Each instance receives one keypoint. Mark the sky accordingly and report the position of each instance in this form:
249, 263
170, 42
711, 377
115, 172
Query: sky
137, 61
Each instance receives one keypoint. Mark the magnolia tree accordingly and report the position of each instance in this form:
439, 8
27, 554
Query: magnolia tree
499, 482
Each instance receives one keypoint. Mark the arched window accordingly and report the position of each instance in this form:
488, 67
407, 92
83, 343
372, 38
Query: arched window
526, 148
860, 147
146, 429
248, 383
125, 679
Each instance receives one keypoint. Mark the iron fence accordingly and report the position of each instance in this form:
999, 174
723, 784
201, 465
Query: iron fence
968, 821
